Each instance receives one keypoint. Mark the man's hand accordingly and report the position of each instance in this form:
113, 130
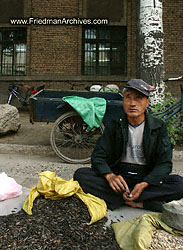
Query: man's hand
135, 193
116, 182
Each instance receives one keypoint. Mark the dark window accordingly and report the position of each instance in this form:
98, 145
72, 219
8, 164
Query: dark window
104, 51
13, 52
11, 9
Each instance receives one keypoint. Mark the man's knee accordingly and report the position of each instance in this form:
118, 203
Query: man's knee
83, 173
177, 183
77, 175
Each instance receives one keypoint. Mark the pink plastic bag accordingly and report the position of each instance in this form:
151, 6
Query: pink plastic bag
9, 188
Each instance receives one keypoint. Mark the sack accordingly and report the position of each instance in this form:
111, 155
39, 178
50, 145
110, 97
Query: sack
9, 188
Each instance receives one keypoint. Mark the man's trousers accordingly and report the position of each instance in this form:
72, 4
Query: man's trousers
91, 182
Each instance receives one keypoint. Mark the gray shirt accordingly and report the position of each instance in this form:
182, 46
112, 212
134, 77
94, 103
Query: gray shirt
135, 154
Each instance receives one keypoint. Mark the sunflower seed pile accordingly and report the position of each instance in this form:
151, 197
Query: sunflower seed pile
60, 224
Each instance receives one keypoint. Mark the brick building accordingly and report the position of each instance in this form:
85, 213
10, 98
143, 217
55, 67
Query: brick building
54, 48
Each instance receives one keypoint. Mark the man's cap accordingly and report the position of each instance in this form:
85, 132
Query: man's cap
140, 86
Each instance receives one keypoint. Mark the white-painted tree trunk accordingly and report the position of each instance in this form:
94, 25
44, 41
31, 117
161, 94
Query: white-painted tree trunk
150, 60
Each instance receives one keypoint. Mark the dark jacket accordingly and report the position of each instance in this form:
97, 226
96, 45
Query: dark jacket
156, 145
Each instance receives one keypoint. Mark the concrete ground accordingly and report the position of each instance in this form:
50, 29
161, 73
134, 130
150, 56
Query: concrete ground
23, 155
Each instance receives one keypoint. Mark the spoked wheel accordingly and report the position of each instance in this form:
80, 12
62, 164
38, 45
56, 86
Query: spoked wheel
70, 139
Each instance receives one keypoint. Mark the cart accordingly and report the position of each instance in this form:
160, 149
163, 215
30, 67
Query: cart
69, 136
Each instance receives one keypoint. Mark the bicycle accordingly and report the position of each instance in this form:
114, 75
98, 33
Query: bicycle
176, 107
23, 99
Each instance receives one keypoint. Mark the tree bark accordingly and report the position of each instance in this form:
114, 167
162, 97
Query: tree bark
150, 52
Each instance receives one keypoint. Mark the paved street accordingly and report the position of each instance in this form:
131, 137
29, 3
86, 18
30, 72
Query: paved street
25, 154
25, 168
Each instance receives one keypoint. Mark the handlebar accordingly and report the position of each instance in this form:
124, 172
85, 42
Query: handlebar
173, 79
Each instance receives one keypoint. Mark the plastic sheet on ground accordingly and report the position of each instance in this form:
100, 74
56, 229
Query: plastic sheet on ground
9, 188
53, 187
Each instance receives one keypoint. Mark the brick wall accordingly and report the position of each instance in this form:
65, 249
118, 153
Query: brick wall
131, 39
57, 49
54, 48
173, 43
173, 37
54, 52
174, 88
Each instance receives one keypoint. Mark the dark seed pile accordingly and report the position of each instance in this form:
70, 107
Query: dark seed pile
60, 224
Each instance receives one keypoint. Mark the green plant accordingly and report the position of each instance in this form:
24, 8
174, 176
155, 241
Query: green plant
173, 125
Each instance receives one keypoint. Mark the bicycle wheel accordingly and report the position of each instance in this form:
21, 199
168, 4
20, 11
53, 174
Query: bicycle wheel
70, 139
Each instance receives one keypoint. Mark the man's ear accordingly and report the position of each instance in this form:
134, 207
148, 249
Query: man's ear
147, 102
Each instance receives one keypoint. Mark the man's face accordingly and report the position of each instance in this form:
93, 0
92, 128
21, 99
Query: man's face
134, 103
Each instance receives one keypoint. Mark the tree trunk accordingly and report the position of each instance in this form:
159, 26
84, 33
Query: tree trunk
150, 54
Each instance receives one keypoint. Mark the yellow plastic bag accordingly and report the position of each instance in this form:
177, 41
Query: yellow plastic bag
53, 187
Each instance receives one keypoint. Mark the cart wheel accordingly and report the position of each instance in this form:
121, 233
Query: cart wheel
70, 139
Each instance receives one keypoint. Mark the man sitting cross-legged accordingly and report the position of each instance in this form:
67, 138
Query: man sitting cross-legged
132, 160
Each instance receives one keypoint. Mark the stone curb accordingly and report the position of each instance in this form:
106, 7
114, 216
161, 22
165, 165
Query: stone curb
26, 149
47, 150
